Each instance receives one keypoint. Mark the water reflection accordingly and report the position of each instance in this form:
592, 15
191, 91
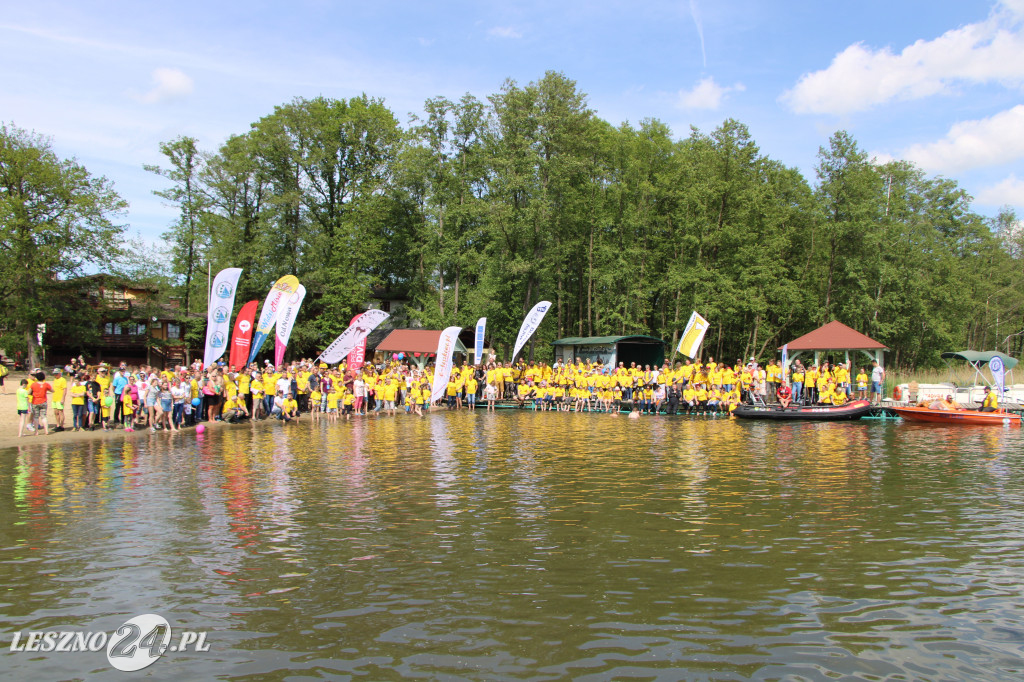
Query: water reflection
541, 546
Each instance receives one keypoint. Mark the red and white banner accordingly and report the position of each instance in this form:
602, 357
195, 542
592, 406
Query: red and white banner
285, 322
241, 339
355, 335
443, 361
358, 355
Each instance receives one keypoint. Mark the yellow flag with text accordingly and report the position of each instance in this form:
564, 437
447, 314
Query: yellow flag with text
693, 335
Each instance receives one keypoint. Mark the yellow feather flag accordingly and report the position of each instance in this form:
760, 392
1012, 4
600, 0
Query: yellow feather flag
693, 335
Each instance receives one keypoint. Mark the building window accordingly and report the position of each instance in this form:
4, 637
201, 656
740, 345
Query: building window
385, 306
108, 328
173, 330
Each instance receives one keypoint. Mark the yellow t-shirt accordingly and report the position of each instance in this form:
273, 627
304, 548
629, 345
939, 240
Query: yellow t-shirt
60, 387
78, 394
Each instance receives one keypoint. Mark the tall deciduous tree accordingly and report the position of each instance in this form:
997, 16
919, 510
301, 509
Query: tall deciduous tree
55, 219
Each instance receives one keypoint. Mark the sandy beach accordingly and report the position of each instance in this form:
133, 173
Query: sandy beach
9, 423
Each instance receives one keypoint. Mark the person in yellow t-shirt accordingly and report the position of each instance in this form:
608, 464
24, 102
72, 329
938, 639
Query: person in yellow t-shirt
332, 404
390, 395
290, 408
347, 401
450, 392
471, 387
78, 407
60, 390
862, 385
315, 397
244, 392
127, 409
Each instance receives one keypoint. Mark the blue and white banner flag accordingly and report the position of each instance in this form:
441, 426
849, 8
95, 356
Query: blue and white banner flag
529, 326
478, 345
218, 317
998, 370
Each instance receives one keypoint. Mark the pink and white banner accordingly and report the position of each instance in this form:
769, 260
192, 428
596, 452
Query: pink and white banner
285, 322
354, 336
443, 361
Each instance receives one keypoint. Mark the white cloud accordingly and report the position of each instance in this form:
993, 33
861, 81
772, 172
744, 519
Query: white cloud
504, 32
860, 77
1008, 192
167, 84
707, 94
973, 144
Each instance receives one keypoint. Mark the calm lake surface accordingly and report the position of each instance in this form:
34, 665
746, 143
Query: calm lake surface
519, 545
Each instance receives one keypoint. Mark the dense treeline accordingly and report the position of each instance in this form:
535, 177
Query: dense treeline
482, 208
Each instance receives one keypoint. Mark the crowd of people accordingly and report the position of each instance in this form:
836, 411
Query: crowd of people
140, 397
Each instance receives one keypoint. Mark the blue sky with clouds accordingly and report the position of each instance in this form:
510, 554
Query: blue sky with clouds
939, 82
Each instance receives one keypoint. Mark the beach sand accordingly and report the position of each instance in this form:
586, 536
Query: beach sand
9, 423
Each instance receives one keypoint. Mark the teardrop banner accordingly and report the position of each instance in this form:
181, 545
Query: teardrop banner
358, 355
218, 317
356, 333
283, 288
478, 345
443, 362
529, 326
241, 338
285, 322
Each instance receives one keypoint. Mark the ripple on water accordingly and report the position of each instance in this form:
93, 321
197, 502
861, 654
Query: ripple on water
534, 546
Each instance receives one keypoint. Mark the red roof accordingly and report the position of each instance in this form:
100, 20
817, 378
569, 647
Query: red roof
834, 336
414, 341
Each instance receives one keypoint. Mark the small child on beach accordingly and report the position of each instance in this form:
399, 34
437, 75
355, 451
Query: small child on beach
22, 400
127, 409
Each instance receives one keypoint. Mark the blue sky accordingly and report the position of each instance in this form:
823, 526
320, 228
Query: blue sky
940, 83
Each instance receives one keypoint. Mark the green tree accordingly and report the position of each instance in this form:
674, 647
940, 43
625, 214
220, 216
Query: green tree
188, 237
55, 220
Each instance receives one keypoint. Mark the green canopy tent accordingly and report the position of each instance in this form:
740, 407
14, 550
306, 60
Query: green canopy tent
979, 358
610, 350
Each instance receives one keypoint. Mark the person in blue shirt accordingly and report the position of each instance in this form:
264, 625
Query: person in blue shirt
118, 384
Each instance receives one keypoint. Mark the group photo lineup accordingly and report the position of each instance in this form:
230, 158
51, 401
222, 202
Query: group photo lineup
674, 341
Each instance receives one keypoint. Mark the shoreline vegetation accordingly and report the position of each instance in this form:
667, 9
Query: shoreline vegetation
480, 207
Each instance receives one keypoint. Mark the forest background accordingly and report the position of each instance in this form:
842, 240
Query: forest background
481, 208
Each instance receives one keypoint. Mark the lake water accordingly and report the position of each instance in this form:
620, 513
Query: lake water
520, 545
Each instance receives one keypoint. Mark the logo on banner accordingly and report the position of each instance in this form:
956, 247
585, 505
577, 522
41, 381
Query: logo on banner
217, 340
244, 326
225, 290
221, 315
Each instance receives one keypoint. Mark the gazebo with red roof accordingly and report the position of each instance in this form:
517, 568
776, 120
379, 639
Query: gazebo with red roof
417, 344
835, 336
